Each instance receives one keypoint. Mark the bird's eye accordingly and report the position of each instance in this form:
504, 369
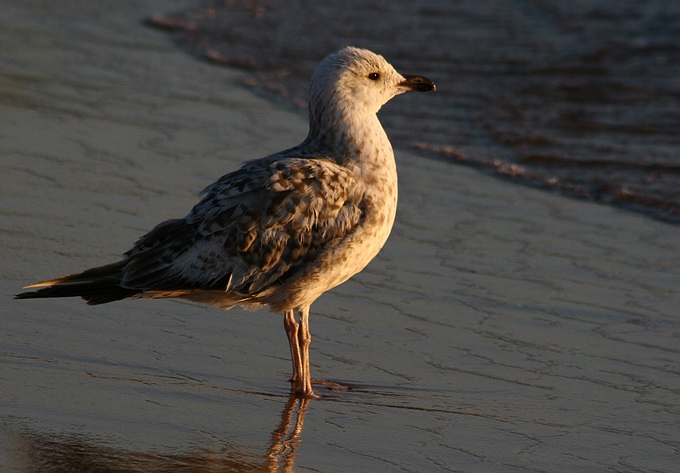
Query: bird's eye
374, 76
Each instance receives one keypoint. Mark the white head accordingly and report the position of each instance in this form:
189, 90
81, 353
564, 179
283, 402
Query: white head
357, 81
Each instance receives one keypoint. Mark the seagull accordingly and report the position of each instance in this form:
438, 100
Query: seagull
283, 229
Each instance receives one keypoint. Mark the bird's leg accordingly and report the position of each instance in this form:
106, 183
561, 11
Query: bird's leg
304, 341
292, 329
299, 339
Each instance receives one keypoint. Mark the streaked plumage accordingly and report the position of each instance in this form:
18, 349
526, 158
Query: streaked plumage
281, 230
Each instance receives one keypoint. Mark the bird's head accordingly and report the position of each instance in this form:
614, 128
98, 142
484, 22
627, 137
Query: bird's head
358, 80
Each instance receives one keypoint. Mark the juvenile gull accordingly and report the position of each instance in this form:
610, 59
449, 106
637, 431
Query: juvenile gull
283, 229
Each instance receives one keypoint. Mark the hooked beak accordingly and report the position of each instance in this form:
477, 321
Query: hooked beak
418, 83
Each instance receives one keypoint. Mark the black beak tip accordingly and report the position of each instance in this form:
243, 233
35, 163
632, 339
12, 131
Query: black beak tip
419, 83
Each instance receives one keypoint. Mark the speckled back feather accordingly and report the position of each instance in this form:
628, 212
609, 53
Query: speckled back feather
254, 227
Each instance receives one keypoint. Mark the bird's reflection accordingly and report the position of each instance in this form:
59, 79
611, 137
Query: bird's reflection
286, 438
31, 452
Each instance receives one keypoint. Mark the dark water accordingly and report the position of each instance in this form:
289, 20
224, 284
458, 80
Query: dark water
581, 97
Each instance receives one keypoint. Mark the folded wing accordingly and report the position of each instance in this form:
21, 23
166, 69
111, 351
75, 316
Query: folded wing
254, 227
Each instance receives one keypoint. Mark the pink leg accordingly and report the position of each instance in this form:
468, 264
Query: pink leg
292, 329
299, 339
304, 341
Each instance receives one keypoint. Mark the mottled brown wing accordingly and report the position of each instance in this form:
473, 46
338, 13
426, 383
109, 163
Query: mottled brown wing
253, 227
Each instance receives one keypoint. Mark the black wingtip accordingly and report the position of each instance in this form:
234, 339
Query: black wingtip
97, 286
93, 295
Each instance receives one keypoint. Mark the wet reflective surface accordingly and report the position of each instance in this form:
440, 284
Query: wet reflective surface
582, 97
39, 451
501, 329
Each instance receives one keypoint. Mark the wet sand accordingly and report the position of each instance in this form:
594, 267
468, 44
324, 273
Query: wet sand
501, 328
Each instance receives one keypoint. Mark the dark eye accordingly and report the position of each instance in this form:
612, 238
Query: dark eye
374, 76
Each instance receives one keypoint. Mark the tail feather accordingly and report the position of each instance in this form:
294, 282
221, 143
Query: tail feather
97, 285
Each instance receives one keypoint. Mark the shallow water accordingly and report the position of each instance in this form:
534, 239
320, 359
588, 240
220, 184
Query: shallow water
582, 97
500, 329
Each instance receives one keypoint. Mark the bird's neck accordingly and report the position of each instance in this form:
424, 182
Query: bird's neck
360, 144
351, 138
